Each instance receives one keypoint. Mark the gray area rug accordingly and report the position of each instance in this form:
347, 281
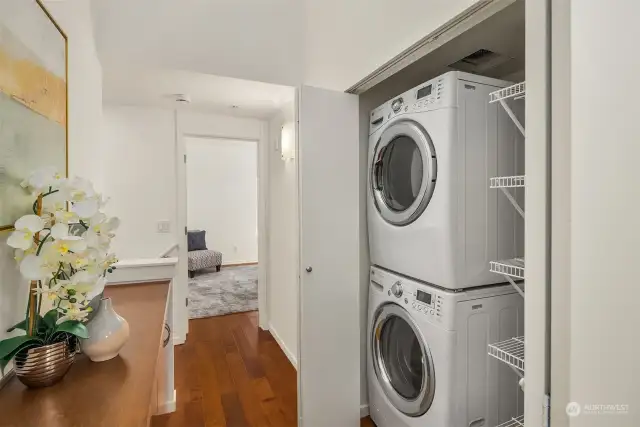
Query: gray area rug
232, 290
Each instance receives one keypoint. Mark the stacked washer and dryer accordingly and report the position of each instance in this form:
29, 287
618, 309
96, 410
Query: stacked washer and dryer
434, 226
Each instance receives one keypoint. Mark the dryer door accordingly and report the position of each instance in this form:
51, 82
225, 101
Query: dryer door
403, 173
402, 361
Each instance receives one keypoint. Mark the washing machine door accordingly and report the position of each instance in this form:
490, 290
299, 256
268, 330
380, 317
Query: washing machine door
403, 173
402, 361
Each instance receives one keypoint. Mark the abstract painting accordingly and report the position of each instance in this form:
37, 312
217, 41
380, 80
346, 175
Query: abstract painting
33, 101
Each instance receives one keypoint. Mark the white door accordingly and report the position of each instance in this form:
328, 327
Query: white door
329, 173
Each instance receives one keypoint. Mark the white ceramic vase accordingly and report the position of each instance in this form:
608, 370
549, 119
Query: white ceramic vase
108, 332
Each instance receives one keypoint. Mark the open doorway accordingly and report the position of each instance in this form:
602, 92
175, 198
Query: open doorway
222, 224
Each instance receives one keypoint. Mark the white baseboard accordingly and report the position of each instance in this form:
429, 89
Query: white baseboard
179, 339
285, 350
169, 406
364, 410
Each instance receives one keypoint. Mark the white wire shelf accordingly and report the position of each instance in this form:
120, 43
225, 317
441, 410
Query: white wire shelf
510, 352
504, 183
514, 422
515, 91
511, 267
507, 181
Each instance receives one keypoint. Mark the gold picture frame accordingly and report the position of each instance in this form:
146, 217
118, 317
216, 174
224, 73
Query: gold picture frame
32, 91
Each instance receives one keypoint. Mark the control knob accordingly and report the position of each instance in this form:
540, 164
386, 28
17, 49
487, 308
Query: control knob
396, 105
396, 289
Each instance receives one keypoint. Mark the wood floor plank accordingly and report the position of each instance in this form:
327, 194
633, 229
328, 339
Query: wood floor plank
367, 422
230, 373
212, 410
233, 411
248, 398
249, 353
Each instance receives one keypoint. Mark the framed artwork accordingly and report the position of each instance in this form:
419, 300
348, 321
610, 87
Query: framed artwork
33, 101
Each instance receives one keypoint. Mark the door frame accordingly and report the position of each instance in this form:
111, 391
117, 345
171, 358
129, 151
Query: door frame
181, 312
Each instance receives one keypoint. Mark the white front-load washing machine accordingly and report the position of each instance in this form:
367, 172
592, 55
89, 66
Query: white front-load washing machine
432, 152
427, 360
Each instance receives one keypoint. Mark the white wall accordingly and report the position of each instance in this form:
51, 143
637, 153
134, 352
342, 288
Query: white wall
222, 195
139, 178
85, 115
282, 290
605, 235
85, 89
142, 178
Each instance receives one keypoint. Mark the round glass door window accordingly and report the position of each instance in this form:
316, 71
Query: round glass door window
404, 172
402, 361
402, 356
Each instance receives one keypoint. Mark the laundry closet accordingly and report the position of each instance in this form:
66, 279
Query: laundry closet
510, 51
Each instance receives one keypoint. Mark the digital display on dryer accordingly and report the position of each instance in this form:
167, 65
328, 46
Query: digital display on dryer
425, 91
423, 297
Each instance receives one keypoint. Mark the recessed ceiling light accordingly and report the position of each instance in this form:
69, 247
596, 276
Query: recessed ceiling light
181, 98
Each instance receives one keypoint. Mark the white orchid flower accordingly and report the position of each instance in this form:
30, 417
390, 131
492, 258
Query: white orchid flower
100, 224
98, 288
72, 311
56, 201
66, 217
26, 229
40, 180
85, 201
53, 292
99, 261
78, 261
38, 267
86, 208
65, 243
97, 241
84, 283
81, 189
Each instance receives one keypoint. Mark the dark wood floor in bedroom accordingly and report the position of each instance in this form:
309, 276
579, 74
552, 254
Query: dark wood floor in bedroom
230, 373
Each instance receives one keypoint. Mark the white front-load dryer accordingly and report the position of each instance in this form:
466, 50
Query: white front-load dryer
427, 354
432, 151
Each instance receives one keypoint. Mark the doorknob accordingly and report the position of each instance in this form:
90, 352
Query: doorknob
309, 269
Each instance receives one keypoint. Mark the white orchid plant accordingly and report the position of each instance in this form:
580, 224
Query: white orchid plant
63, 250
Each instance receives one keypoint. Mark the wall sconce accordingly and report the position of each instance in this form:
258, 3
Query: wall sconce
287, 142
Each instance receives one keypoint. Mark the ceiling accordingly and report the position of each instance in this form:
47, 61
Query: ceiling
260, 40
126, 86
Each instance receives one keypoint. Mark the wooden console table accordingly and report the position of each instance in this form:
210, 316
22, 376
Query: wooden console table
121, 392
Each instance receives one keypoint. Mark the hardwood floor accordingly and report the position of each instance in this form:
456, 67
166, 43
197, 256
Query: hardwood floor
367, 422
231, 373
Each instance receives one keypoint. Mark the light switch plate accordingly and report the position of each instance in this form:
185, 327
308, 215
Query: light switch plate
164, 226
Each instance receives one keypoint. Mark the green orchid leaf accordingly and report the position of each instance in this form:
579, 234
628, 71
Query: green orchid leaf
11, 346
73, 327
50, 318
22, 325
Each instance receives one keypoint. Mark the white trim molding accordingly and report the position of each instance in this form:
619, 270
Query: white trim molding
285, 349
143, 270
364, 410
168, 407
